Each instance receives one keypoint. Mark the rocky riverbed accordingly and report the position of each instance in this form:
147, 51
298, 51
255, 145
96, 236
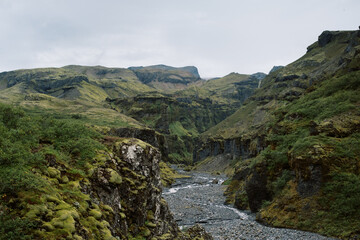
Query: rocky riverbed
200, 199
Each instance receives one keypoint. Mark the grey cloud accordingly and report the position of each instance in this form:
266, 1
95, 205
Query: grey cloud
217, 36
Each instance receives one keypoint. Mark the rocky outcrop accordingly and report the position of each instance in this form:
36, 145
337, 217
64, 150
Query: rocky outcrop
255, 186
197, 232
129, 183
239, 148
117, 195
325, 38
147, 135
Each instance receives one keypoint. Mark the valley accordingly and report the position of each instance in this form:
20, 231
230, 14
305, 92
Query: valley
86, 150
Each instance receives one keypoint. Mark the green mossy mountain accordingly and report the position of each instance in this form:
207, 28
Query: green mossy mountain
294, 144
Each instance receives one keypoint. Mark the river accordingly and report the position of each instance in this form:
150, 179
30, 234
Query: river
200, 199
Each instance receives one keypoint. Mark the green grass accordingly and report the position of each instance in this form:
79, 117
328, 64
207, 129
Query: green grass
333, 97
26, 140
15, 228
176, 128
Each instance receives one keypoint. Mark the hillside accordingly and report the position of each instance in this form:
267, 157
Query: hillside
334, 52
122, 98
294, 144
183, 115
232, 89
61, 179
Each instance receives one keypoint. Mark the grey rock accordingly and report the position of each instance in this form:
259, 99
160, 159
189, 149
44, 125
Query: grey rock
325, 38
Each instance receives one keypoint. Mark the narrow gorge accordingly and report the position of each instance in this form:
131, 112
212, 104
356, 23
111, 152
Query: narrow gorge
158, 152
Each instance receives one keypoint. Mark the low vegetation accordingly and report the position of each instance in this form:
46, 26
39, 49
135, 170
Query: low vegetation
28, 144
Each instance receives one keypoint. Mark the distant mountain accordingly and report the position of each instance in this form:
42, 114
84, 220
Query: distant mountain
191, 69
166, 78
123, 97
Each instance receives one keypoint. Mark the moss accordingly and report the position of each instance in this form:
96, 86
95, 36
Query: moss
53, 172
84, 206
146, 232
135, 192
105, 232
142, 186
130, 181
36, 210
64, 179
65, 222
95, 213
132, 141
63, 205
48, 227
77, 237
65, 213
107, 208
166, 236
114, 176
150, 224
92, 225
168, 175
150, 215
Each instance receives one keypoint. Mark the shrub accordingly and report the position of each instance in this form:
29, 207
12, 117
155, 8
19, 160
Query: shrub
26, 142
14, 228
281, 181
342, 195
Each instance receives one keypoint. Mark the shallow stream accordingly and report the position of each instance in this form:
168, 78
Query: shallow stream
200, 199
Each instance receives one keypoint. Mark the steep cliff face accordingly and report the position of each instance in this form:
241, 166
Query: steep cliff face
183, 115
179, 120
296, 141
149, 136
129, 182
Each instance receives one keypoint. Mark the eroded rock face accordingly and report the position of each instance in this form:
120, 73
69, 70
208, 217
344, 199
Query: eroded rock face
197, 232
325, 38
240, 147
129, 182
147, 135
256, 189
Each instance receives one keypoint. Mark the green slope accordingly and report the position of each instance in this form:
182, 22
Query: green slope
289, 83
64, 91
296, 142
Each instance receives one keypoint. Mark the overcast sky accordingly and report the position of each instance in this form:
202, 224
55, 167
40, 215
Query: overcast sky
217, 36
